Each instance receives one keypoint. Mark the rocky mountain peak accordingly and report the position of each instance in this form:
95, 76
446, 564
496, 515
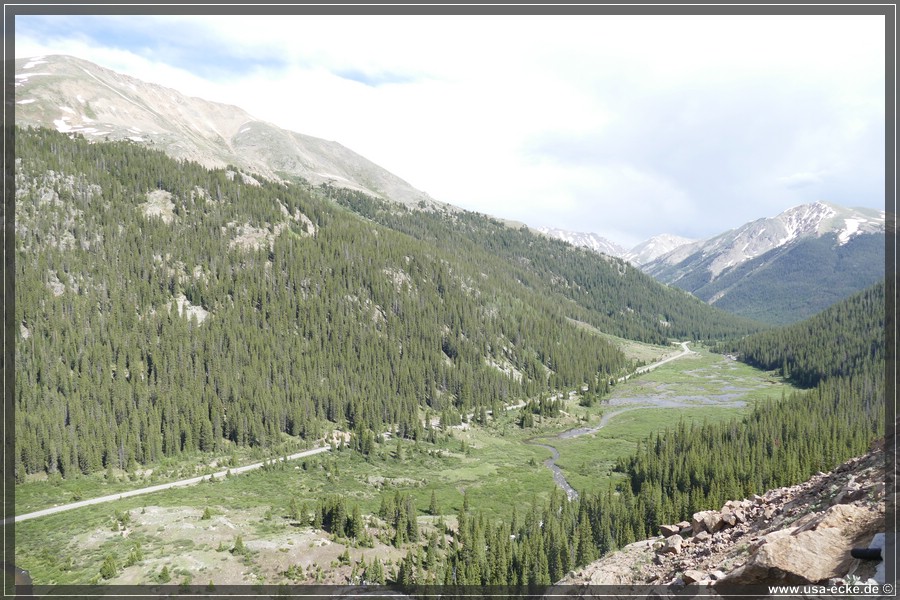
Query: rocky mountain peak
75, 96
656, 246
591, 241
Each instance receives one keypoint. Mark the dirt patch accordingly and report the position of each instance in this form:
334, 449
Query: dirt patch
394, 482
251, 238
159, 204
201, 551
189, 310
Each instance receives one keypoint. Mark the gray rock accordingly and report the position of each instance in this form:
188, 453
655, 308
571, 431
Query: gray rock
707, 520
729, 518
692, 576
673, 545
815, 552
669, 530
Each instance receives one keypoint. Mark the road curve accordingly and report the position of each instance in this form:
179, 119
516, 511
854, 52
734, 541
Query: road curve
646, 369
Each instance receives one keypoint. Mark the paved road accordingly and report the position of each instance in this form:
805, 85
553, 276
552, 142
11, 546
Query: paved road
157, 488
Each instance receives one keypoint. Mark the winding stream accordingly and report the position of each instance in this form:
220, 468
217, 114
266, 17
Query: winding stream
550, 463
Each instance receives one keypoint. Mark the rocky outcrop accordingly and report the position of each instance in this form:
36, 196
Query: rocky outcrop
816, 550
796, 535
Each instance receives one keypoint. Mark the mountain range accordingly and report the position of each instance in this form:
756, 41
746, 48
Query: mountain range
784, 268
641, 254
778, 269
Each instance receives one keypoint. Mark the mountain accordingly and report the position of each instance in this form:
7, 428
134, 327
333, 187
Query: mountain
591, 241
784, 268
641, 254
75, 96
649, 250
187, 309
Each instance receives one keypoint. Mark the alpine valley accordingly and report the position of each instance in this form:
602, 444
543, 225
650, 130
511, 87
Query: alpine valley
245, 356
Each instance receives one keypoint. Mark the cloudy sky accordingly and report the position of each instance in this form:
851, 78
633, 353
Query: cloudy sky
625, 126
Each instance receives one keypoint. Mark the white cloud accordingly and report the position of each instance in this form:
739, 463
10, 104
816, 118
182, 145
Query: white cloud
797, 180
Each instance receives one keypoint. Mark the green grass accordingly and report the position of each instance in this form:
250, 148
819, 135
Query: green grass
588, 461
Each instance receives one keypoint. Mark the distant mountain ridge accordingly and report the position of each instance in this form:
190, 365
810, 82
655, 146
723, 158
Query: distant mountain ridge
758, 237
784, 268
73, 95
591, 241
653, 248
640, 254
777, 269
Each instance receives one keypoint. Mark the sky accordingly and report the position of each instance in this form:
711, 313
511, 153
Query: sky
627, 126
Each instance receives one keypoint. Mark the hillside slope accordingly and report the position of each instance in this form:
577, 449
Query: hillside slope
73, 95
187, 309
845, 339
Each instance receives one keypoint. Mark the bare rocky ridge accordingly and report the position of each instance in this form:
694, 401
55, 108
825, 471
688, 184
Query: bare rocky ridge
643, 253
75, 96
732, 248
796, 535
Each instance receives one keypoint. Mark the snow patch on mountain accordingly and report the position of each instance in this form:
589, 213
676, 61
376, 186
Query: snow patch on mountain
37, 60
756, 238
655, 247
591, 241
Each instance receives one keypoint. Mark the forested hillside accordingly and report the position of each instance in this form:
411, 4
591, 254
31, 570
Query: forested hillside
604, 291
165, 308
841, 353
843, 340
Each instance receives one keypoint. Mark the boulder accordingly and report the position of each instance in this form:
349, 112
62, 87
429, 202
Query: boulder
851, 492
707, 520
693, 576
669, 530
729, 519
815, 552
703, 536
672, 545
